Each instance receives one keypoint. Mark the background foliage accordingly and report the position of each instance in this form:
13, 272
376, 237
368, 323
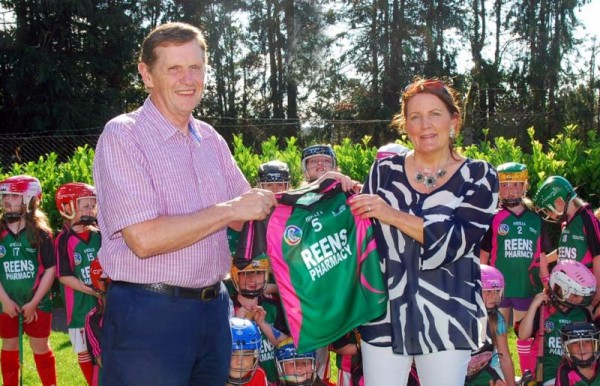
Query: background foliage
578, 160
316, 70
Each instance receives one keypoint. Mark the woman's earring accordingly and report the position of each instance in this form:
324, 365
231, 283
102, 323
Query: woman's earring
452, 133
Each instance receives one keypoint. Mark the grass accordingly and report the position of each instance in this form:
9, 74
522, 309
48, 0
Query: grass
67, 368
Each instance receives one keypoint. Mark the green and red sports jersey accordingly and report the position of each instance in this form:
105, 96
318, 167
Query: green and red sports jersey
22, 266
75, 253
325, 263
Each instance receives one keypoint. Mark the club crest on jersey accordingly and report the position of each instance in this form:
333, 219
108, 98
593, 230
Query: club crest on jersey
309, 198
77, 258
548, 326
292, 235
503, 229
2, 251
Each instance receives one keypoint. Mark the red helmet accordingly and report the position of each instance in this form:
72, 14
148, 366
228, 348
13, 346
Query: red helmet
99, 279
68, 195
29, 187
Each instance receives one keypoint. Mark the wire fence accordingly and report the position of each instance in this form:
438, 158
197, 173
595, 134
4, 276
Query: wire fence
22, 148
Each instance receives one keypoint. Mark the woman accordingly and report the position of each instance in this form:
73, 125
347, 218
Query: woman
431, 208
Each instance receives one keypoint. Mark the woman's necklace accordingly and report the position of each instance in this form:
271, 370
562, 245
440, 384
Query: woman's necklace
428, 178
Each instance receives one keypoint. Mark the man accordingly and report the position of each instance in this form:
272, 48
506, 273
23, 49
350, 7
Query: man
167, 188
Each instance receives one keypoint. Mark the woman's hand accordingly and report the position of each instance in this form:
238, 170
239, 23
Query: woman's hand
371, 206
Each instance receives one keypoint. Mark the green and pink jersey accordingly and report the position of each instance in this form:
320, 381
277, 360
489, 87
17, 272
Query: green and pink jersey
325, 263
514, 242
580, 238
569, 375
75, 253
22, 266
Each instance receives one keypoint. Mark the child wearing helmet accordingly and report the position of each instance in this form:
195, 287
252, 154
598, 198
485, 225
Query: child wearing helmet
579, 239
572, 287
26, 276
581, 349
76, 248
250, 302
246, 343
516, 244
274, 176
318, 160
500, 364
296, 369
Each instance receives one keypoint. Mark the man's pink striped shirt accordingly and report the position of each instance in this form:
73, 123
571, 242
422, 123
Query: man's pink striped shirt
145, 168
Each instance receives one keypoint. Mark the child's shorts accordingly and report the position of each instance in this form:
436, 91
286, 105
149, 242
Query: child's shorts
519, 304
40, 328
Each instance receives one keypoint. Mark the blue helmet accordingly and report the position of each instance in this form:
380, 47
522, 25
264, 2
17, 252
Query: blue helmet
315, 150
245, 343
294, 368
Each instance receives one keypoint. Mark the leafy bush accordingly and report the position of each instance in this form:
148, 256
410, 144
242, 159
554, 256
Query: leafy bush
576, 159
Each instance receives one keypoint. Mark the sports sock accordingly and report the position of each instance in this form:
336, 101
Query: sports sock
9, 361
527, 354
87, 366
46, 367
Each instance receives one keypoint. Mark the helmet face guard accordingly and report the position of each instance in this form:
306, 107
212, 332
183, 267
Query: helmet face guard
27, 187
246, 342
581, 343
512, 173
317, 150
553, 188
251, 281
572, 284
295, 369
69, 198
492, 283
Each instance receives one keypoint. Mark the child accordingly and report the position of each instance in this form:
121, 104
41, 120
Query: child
572, 287
246, 342
250, 303
318, 160
296, 369
581, 348
26, 275
515, 242
579, 239
75, 251
274, 176
492, 282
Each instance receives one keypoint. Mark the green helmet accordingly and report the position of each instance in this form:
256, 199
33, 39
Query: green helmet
512, 172
554, 187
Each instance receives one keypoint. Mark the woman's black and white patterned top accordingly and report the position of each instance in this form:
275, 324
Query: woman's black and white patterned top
435, 288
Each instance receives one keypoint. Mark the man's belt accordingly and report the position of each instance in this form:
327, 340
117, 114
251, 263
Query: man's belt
205, 293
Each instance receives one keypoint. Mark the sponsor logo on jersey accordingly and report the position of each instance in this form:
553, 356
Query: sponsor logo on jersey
77, 258
309, 198
2, 251
339, 210
292, 235
503, 229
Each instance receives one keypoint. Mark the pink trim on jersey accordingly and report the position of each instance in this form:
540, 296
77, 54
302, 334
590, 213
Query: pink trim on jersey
362, 225
281, 270
497, 220
249, 248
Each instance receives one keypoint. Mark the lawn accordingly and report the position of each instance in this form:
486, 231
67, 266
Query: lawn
67, 368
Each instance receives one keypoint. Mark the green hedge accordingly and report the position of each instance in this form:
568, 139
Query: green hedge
576, 159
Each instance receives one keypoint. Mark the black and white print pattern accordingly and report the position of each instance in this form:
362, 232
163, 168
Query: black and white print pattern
435, 288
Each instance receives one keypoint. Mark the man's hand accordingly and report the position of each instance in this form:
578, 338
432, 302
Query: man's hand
255, 204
